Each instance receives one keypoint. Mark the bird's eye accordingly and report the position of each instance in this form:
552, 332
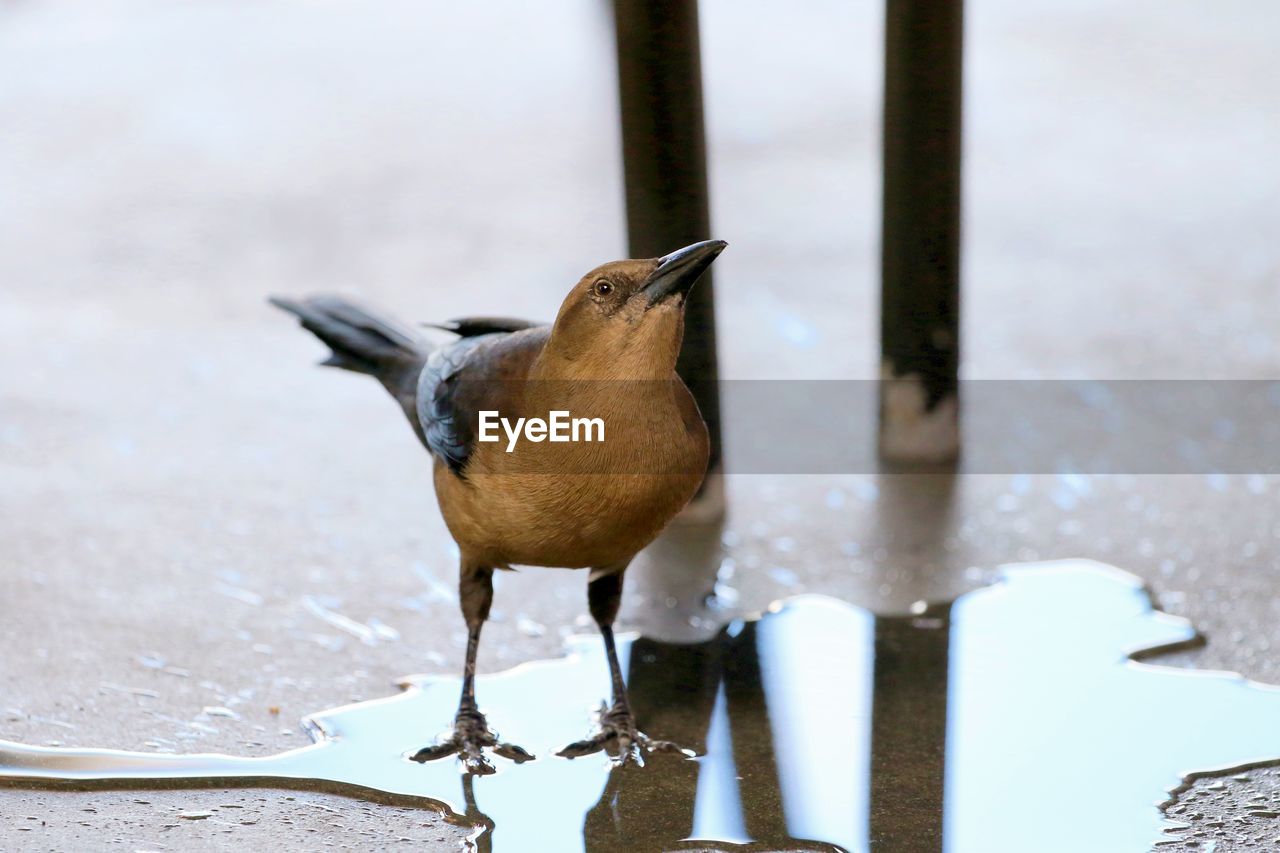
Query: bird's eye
603, 288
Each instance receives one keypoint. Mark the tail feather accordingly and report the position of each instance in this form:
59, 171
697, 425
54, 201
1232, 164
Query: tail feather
364, 342
360, 340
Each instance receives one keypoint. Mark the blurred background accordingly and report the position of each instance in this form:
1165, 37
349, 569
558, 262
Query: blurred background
184, 497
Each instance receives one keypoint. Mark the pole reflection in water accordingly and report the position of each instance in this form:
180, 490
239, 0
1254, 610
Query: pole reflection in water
818, 726
779, 711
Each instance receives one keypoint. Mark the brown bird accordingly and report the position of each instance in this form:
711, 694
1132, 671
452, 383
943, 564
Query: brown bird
610, 356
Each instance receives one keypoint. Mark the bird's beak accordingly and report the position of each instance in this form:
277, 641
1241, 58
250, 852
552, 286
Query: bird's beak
677, 272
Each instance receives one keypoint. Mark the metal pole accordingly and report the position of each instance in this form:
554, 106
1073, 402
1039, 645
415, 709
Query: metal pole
920, 272
909, 731
665, 166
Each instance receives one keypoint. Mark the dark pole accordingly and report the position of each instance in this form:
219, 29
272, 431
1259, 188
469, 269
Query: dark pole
665, 164
909, 730
920, 272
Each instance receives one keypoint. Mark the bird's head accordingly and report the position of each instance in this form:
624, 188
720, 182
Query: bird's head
625, 319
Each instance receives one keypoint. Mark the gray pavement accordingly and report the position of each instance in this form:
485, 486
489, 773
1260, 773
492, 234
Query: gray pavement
180, 488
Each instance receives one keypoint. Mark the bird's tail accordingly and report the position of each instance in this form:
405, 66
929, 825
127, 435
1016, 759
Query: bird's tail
364, 342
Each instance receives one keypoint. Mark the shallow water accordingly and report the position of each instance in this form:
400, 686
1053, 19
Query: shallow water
963, 727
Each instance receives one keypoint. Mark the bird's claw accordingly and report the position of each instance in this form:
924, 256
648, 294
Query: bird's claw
619, 736
471, 734
515, 753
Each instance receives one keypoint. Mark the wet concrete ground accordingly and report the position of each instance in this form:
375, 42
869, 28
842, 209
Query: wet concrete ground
178, 480
816, 725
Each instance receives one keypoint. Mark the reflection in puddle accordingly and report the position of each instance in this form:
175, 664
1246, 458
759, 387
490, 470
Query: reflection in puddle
964, 727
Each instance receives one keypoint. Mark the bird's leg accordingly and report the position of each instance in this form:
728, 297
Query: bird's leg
618, 733
471, 733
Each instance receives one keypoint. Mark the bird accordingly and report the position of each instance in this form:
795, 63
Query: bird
610, 354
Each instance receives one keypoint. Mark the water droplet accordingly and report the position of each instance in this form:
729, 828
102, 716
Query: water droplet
786, 577
219, 711
530, 628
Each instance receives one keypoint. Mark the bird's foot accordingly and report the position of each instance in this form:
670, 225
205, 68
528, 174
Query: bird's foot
471, 734
619, 736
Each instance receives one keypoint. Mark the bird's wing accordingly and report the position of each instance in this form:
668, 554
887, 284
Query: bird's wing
470, 327
475, 374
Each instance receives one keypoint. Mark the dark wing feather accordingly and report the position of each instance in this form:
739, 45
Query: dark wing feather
459, 381
470, 327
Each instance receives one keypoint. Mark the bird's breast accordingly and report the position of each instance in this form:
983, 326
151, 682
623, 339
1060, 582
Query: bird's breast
592, 500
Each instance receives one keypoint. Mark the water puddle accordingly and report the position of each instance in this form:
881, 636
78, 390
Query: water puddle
966, 727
